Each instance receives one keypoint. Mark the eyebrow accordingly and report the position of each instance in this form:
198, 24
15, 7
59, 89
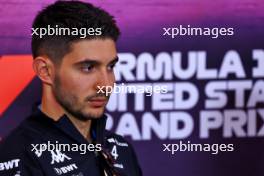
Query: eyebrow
95, 62
114, 61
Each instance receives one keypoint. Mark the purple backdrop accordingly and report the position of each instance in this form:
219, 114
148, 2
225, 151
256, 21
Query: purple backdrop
142, 24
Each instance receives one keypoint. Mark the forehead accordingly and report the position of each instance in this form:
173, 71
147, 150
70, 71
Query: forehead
101, 50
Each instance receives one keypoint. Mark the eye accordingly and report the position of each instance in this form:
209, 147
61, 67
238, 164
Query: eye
87, 67
111, 67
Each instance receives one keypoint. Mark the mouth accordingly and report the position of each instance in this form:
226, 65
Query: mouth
98, 102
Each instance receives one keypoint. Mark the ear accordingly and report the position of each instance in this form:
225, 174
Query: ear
44, 69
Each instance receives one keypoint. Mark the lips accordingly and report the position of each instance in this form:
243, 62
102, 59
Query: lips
98, 102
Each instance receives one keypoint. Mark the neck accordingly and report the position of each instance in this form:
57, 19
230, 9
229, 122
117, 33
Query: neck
54, 110
82, 126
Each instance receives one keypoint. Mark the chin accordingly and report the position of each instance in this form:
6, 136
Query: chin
96, 113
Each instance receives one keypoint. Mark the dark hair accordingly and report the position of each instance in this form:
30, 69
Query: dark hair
70, 14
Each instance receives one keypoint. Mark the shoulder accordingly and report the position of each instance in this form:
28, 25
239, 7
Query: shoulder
12, 145
19, 140
16, 154
11, 149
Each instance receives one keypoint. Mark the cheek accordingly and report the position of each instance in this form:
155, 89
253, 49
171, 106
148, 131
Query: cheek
76, 84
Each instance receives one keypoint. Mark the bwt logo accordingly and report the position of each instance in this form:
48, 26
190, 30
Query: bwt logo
16, 73
66, 169
9, 164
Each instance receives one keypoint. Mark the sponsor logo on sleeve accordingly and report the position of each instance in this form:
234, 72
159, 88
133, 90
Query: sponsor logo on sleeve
8, 165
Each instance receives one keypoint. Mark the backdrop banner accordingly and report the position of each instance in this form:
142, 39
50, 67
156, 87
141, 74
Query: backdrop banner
190, 90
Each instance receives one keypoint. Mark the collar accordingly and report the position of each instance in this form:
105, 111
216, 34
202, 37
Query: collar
65, 125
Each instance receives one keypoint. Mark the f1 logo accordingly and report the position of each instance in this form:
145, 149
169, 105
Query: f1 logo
16, 73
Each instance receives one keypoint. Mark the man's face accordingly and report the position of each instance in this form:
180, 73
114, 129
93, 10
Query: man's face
88, 66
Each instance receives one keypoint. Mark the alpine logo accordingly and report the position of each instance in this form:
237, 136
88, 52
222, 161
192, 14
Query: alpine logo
58, 157
66, 169
9, 164
122, 144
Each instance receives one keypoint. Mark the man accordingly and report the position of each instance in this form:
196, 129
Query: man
74, 51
